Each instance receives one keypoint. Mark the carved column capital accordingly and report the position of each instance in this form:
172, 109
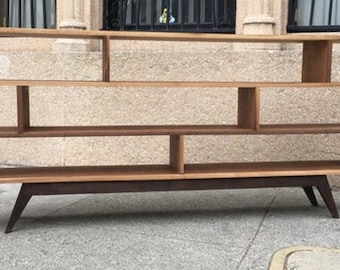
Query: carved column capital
72, 18
259, 19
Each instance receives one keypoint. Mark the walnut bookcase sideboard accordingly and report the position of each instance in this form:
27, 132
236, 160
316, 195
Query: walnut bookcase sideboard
176, 175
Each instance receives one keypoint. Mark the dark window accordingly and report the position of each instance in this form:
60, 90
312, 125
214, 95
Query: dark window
2, 13
28, 13
170, 15
314, 16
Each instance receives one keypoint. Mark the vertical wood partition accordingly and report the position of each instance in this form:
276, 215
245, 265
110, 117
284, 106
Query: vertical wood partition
317, 61
249, 108
23, 108
106, 58
177, 153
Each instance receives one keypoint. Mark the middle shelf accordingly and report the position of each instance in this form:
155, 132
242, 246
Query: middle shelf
247, 109
75, 131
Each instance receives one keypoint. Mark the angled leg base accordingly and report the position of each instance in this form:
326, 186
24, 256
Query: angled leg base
20, 204
307, 182
311, 196
327, 196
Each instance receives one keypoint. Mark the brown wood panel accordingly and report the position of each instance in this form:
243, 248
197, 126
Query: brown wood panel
71, 131
177, 153
248, 108
50, 33
317, 61
87, 173
8, 132
164, 172
263, 169
166, 84
106, 58
211, 37
23, 108
80, 131
161, 36
300, 128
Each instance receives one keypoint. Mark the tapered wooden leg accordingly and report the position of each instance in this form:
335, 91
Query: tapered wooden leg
327, 196
311, 195
20, 204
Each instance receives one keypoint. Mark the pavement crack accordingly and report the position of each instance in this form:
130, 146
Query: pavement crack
257, 231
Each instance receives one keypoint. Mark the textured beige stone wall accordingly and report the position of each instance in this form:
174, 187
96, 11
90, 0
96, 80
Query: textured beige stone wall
164, 61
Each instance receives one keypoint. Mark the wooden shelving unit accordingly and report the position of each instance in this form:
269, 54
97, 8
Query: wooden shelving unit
177, 175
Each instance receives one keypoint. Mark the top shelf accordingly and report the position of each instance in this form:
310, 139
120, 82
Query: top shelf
316, 58
316, 71
163, 36
166, 84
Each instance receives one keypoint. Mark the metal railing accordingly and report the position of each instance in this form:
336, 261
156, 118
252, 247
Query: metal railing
170, 15
314, 16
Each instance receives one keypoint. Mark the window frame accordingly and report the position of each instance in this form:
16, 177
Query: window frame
28, 14
3, 8
115, 16
292, 26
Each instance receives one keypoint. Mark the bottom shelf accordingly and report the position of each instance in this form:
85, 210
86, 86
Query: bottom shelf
165, 172
307, 182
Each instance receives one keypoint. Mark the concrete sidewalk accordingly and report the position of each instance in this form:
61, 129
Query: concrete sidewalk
228, 229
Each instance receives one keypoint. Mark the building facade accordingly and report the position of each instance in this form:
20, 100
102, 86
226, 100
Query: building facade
81, 59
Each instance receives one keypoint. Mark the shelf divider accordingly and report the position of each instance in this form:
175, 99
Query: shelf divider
317, 61
106, 58
23, 108
249, 108
177, 153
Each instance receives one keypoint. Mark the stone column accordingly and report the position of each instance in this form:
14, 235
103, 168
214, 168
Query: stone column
72, 17
256, 17
259, 18
73, 11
